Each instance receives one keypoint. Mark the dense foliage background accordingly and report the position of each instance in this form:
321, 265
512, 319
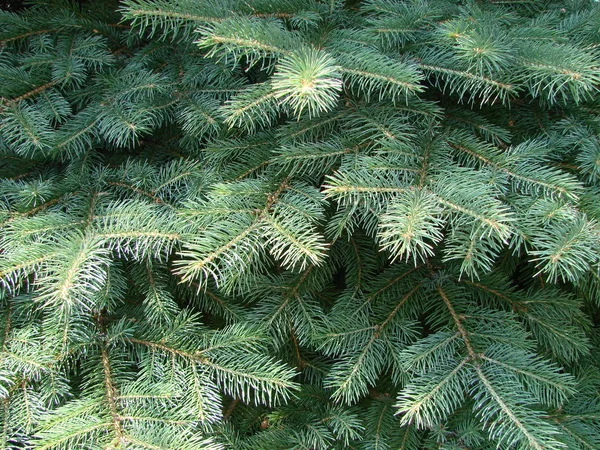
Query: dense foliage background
277, 224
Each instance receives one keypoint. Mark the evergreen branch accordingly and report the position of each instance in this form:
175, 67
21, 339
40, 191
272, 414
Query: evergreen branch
150, 195
293, 243
255, 106
290, 295
504, 408
403, 85
561, 185
234, 375
369, 73
583, 443
419, 407
568, 253
48, 443
255, 380
493, 224
403, 300
345, 189
250, 43
157, 13
472, 84
166, 349
74, 139
458, 323
481, 125
142, 444
497, 84
235, 314
138, 13
27, 361
390, 283
515, 305
228, 245
410, 219
126, 235
304, 128
351, 380
206, 265
245, 37
385, 287
39, 208
378, 436
137, 229
508, 412
28, 34
11, 274
537, 373
252, 170
31, 93
558, 331
359, 274
429, 351
489, 212
111, 394
307, 80
84, 272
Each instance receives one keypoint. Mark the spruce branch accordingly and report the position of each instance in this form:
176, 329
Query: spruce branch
299, 224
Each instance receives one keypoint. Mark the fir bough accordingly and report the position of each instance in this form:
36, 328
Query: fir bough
300, 224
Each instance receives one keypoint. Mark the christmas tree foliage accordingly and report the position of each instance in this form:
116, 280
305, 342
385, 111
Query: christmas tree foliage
300, 224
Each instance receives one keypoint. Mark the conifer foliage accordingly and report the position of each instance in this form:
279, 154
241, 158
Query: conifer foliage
300, 224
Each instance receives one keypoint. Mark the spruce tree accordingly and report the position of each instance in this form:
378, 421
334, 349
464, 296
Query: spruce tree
300, 224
